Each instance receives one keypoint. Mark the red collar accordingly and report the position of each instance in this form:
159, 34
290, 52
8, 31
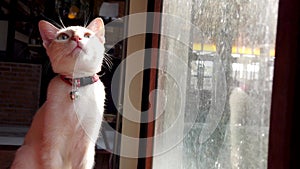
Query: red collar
79, 82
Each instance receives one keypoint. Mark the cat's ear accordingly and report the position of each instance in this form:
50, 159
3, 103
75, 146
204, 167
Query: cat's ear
48, 32
97, 26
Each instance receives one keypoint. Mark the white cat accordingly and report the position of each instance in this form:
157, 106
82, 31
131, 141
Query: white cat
64, 130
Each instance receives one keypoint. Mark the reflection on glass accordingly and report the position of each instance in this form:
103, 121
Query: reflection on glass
225, 84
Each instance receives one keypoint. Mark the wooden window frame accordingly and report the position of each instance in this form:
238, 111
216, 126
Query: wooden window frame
283, 140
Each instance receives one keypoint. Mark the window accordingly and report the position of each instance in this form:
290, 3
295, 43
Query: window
215, 80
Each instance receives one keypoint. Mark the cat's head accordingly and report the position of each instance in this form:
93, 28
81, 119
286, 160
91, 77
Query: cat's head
74, 51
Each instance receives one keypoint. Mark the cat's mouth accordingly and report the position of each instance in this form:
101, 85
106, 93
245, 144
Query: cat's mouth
78, 47
77, 50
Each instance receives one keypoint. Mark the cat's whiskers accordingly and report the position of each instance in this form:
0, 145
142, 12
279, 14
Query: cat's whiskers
108, 60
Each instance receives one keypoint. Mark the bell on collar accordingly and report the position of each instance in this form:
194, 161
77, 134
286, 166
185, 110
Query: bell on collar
74, 95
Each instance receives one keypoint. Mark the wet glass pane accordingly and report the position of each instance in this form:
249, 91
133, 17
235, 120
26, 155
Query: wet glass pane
215, 81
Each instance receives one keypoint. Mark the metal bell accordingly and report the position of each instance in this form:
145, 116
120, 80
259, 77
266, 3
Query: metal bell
74, 95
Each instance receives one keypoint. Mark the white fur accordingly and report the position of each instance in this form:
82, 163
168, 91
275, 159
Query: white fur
63, 132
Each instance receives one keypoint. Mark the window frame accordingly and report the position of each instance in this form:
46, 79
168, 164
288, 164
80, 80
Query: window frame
283, 140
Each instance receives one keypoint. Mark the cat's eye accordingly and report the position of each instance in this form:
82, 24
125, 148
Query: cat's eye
62, 36
87, 35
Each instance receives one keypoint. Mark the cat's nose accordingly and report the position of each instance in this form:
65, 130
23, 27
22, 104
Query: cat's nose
76, 38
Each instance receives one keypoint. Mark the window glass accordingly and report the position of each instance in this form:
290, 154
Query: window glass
215, 82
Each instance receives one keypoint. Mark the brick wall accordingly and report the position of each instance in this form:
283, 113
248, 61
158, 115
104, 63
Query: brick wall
19, 92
